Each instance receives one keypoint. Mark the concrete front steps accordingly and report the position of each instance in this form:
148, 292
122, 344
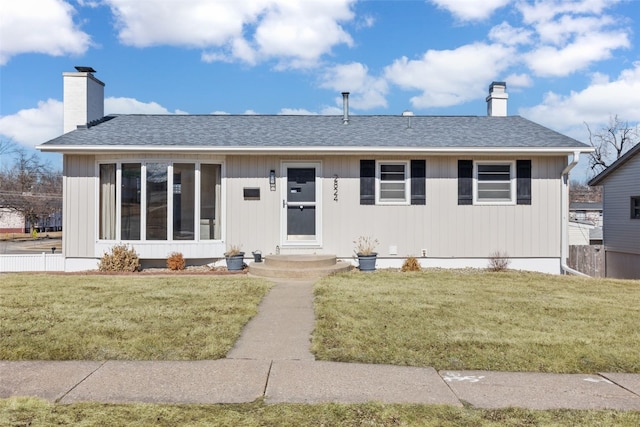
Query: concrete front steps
298, 266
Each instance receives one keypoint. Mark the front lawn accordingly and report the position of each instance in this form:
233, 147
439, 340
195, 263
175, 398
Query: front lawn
95, 317
35, 413
510, 321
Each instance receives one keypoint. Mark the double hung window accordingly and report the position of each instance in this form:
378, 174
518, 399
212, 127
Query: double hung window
494, 183
392, 183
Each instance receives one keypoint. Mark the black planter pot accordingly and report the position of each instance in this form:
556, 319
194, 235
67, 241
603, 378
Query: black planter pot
235, 262
367, 262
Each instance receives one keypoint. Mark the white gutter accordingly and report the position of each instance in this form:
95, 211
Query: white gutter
495, 151
564, 227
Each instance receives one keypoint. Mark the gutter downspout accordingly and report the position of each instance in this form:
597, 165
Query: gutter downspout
564, 226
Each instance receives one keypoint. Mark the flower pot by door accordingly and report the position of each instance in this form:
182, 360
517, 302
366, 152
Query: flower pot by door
235, 262
367, 262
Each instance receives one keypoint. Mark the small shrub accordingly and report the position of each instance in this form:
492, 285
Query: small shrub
411, 264
498, 261
176, 261
120, 258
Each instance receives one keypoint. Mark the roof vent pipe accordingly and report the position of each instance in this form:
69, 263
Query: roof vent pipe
345, 108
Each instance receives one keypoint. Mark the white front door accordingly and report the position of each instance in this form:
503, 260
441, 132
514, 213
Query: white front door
300, 204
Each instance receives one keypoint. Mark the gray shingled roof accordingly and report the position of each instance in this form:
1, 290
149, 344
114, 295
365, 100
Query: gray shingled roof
254, 131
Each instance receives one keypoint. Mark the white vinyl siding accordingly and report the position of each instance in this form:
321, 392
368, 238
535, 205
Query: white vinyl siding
442, 228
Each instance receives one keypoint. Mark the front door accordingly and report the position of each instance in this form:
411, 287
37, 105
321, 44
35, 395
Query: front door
300, 206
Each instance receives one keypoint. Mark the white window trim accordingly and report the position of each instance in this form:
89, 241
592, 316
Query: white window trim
407, 183
512, 186
143, 200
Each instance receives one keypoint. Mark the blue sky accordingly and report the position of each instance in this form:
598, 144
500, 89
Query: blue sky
565, 62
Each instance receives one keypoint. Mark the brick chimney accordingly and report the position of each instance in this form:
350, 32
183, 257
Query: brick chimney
497, 100
83, 98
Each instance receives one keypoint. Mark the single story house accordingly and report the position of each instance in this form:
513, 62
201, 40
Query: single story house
621, 212
450, 190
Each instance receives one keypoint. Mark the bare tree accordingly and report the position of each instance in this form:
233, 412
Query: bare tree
30, 186
611, 142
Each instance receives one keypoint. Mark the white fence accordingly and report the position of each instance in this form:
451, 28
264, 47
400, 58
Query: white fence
29, 262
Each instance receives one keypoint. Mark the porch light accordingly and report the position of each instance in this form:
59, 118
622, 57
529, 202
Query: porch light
272, 180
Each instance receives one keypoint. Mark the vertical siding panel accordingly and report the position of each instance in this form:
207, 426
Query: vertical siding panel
79, 214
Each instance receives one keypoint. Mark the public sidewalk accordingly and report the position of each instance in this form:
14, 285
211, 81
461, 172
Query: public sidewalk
272, 360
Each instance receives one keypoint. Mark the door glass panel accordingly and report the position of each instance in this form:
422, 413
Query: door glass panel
301, 222
301, 184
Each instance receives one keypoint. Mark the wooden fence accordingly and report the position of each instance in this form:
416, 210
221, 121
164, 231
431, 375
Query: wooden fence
587, 259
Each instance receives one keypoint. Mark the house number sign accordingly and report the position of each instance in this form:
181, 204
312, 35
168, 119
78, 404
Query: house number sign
335, 188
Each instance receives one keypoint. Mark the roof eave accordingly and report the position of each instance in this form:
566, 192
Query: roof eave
100, 149
597, 180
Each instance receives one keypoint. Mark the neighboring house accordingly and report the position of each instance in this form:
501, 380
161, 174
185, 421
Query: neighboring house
621, 208
451, 190
586, 212
584, 233
11, 221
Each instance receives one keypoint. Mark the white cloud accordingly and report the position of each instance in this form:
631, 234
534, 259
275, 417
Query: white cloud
443, 76
570, 36
593, 105
510, 36
295, 33
471, 10
296, 112
545, 10
585, 50
518, 81
33, 126
365, 90
331, 111
40, 26
114, 105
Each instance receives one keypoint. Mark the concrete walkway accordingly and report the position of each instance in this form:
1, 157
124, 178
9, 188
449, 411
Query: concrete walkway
272, 360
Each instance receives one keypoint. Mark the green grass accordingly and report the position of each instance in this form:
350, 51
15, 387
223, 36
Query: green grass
34, 412
95, 317
508, 321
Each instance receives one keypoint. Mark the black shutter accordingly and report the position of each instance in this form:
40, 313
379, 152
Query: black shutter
465, 182
418, 175
523, 184
367, 182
